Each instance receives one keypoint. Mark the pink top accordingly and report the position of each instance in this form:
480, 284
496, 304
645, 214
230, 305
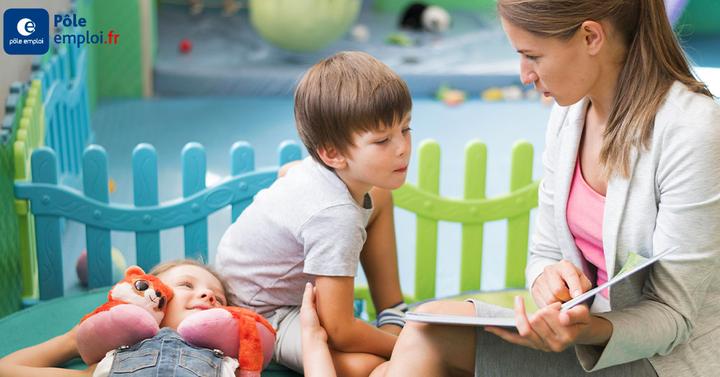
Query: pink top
585, 209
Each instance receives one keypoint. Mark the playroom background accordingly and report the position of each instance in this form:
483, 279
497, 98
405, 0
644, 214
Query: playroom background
192, 94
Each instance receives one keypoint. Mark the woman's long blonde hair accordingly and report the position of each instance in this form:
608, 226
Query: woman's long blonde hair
653, 62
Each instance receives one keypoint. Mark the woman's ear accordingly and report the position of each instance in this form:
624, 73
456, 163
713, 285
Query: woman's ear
332, 158
593, 33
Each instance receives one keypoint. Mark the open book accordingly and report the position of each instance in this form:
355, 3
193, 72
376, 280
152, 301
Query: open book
634, 264
460, 320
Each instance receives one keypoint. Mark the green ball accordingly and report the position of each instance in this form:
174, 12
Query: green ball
303, 25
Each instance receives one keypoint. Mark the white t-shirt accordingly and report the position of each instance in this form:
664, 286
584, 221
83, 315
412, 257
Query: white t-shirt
305, 224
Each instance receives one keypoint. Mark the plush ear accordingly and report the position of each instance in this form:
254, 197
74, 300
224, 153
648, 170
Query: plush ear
134, 271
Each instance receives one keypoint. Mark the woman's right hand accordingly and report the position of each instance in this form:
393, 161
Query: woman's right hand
559, 282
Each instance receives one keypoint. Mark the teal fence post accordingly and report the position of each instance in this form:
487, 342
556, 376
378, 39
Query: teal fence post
193, 167
95, 185
47, 228
145, 190
242, 158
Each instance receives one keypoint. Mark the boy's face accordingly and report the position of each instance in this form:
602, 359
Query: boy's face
380, 158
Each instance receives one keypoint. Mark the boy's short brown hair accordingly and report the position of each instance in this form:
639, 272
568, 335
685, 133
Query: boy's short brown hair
347, 93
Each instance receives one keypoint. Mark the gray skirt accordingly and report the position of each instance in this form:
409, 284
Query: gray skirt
496, 357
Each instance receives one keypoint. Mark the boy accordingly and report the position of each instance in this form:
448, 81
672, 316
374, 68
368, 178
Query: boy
329, 212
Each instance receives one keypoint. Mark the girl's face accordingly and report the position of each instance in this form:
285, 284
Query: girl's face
566, 70
195, 289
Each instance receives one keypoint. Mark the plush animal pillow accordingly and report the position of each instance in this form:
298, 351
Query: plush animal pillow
136, 305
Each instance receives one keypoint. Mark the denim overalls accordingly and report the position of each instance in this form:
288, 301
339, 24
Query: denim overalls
166, 354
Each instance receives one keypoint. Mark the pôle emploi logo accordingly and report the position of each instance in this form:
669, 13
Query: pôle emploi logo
26, 31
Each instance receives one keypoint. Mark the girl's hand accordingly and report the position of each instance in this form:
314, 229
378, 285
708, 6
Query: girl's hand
559, 282
309, 321
548, 329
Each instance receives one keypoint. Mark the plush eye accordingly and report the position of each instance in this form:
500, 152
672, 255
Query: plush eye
141, 285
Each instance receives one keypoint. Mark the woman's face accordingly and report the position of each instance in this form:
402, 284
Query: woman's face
563, 69
194, 289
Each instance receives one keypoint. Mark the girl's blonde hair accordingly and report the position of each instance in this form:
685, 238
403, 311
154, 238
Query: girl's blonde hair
167, 266
653, 62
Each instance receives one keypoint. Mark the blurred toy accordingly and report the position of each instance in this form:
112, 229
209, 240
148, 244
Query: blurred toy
360, 33
399, 39
185, 46
492, 94
118, 266
112, 185
512, 93
303, 25
450, 96
420, 16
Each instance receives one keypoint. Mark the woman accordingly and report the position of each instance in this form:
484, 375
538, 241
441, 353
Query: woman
630, 166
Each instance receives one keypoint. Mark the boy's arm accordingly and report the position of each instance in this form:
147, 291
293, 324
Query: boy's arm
38, 360
345, 332
379, 254
317, 360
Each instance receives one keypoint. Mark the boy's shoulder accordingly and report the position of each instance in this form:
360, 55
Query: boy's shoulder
307, 189
313, 183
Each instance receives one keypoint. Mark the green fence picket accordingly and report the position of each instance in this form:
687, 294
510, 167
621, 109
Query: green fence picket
472, 234
427, 227
517, 228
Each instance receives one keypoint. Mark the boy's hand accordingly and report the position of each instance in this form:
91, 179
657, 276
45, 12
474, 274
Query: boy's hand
309, 321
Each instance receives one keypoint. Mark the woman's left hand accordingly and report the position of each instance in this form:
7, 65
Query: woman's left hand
548, 329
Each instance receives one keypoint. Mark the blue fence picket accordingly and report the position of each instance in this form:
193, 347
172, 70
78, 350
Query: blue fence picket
145, 189
242, 158
95, 185
193, 168
47, 227
289, 151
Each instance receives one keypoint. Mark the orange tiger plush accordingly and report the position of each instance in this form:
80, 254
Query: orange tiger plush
136, 305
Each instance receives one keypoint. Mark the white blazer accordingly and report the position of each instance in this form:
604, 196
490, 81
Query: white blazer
669, 313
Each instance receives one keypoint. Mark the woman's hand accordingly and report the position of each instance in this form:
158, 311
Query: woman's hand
551, 330
559, 282
309, 321
317, 360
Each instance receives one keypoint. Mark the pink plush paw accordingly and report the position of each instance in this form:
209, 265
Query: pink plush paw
122, 325
213, 328
217, 329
